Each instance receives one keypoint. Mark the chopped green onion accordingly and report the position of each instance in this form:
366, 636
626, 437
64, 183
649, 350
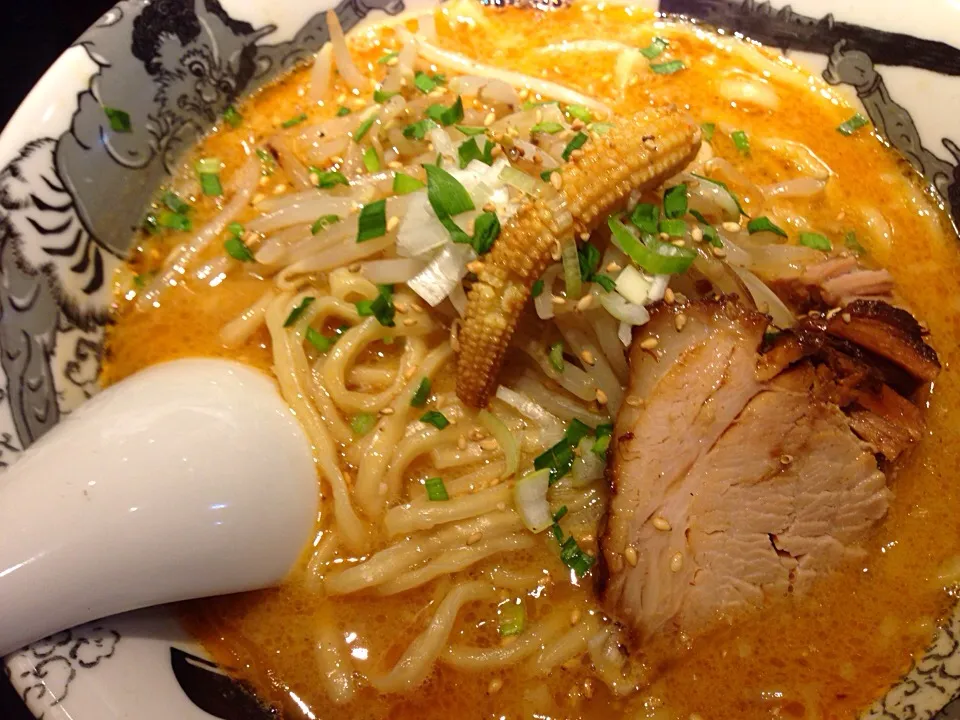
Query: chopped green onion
381, 307
435, 418
235, 229
708, 130
371, 161
388, 57
605, 281
232, 116
140, 281
551, 128
572, 279
419, 398
710, 233
531, 104
764, 224
295, 120
512, 619
815, 241
470, 150
174, 221
486, 229
600, 445
426, 83
118, 119
238, 250
675, 201
852, 244
446, 195
729, 192
323, 343
362, 423
556, 357
849, 127
545, 174
589, 258
651, 255
267, 160
600, 128
343, 111
559, 458
654, 49
372, 222
673, 228
403, 184
150, 224
419, 129
381, 96
328, 178
668, 68
175, 203
741, 141
298, 311
471, 130
575, 558
446, 115
537, 288
560, 514
363, 128
323, 222
436, 490
208, 170
576, 143
580, 112
646, 216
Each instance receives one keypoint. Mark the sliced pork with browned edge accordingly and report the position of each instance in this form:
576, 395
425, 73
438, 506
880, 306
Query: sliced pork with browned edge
745, 464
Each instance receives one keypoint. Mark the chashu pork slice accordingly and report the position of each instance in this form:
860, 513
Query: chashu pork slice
729, 486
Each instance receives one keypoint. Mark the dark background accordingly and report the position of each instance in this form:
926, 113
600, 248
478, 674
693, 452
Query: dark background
33, 34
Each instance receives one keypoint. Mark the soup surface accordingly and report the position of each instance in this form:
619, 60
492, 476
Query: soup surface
349, 635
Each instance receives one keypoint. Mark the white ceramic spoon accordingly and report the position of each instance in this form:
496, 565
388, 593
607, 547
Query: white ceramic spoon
186, 480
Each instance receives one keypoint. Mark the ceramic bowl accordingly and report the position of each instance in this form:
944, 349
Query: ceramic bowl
70, 194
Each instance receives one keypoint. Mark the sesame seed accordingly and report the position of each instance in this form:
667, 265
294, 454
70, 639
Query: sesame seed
393, 223
556, 179
668, 296
489, 444
476, 267
630, 555
680, 320
649, 343
416, 308
731, 226
524, 93
845, 317
650, 143
314, 179
409, 322
494, 686
557, 300
393, 61
676, 562
475, 538
696, 234
393, 165
679, 243
577, 124
661, 523
354, 268
601, 397
538, 115
664, 236
786, 459
613, 267
258, 198
387, 411
634, 401
462, 442
400, 306
588, 357
584, 236
409, 372
588, 688
718, 252
575, 616
584, 303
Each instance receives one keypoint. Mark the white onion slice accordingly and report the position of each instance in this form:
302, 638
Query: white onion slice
519, 180
458, 298
624, 311
551, 426
625, 333
321, 73
571, 268
392, 271
634, 286
530, 499
801, 187
341, 54
766, 299
443, 273
589, 466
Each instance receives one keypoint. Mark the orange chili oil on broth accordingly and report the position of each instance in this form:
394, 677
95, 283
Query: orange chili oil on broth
827, 655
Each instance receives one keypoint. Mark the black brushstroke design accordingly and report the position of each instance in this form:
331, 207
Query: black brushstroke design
786, 29
213, 691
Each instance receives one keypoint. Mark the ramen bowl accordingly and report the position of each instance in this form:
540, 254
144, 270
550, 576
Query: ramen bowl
160, 75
